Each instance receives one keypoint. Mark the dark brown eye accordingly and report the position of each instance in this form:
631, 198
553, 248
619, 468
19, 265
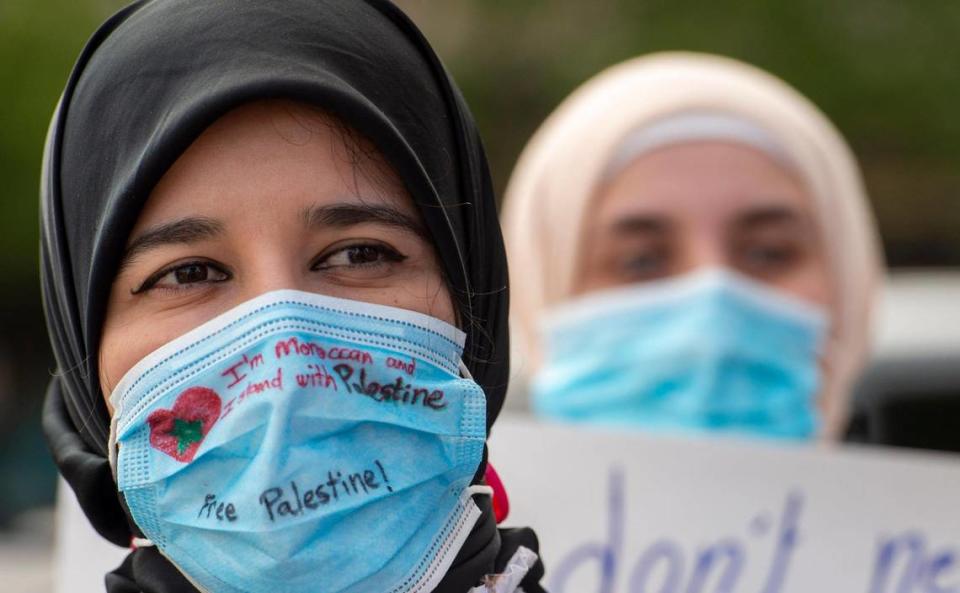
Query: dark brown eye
191, 273
645, 265
768, 257
183, 276
364, 254
359, 256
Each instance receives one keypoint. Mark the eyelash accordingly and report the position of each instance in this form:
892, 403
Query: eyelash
151, 282
385, 253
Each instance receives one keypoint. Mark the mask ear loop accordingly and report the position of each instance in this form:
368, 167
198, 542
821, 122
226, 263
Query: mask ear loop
141, 542
480, 490
112, 443
464, 371
495, 490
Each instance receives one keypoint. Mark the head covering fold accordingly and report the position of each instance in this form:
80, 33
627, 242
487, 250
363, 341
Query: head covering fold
558, 174
147, 84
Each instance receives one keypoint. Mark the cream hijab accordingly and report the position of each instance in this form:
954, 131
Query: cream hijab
550, 192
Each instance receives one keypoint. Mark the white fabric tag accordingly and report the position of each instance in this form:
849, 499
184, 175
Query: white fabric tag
509, 580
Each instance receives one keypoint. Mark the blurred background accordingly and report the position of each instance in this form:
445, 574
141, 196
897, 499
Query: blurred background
885, 71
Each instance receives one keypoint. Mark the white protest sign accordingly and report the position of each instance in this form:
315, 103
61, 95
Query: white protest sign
632, 513
81, 558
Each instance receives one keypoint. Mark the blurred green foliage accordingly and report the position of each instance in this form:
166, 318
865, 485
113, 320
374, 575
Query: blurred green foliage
39, 40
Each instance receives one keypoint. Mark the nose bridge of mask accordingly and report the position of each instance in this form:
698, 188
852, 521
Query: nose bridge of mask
371, 324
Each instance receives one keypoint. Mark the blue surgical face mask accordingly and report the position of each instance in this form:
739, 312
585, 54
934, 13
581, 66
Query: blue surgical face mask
712, 351
302, 443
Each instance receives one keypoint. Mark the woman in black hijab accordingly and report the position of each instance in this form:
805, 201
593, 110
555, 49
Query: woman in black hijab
156, 84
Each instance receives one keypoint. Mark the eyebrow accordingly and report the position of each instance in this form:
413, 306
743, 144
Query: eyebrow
347, 215
640, 225
183, 231
765, 216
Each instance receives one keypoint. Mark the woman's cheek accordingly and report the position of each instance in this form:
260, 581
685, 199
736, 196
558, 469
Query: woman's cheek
118, 354
811, 283
439, 302
429, 294
124, 344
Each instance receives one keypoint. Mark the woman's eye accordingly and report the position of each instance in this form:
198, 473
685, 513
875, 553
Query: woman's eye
359, 256
184, 275
771, 258
645, 265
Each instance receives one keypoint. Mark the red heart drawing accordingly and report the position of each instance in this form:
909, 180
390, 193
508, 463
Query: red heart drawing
180, 431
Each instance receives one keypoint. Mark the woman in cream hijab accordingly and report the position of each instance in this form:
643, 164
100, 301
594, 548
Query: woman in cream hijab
691, 248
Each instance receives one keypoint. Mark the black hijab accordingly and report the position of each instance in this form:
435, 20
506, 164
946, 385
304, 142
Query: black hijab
149, 81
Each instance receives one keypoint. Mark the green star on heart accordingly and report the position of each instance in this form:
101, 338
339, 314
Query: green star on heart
187, 432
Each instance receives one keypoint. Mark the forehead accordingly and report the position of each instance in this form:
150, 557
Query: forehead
701, 181
265, 157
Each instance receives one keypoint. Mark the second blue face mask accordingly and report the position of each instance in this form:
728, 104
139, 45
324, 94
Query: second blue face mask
712, 351
302, 443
